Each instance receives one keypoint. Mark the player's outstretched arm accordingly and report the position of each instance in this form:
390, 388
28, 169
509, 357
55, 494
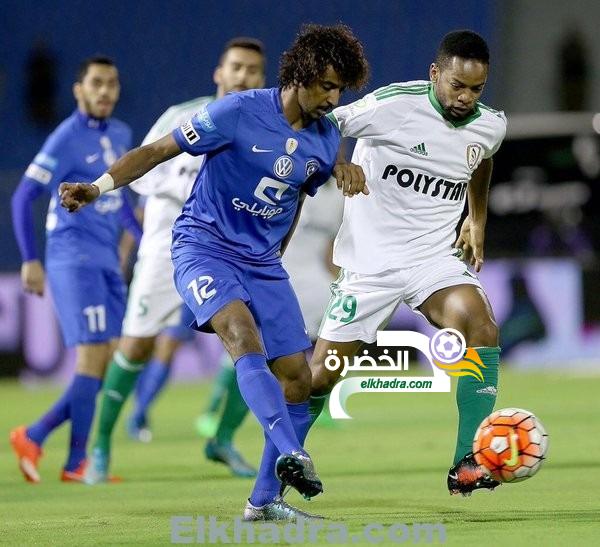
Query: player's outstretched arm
131, 166
471, 239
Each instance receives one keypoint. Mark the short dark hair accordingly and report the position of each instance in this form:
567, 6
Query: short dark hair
244, 42
95, 60
315, 48
465, 44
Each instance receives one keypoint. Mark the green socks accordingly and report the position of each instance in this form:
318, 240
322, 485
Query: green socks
118, 384
222, 382
235, 409
315, 407
475, 400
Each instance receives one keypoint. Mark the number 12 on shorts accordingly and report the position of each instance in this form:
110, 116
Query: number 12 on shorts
342, 308
199, 288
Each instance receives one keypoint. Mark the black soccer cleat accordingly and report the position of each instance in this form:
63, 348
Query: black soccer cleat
298, 471
467, 476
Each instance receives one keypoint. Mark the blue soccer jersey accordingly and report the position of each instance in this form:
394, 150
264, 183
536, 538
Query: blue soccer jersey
81, 149
245, 197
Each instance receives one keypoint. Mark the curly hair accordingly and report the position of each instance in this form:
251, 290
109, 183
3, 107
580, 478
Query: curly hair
315, 48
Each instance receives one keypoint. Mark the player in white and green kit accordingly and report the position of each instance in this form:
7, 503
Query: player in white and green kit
425, 147
153, 302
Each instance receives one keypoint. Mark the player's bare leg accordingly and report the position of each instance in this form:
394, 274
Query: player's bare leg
324, 379
466, 308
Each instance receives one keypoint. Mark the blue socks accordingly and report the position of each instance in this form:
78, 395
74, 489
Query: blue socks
149, 385
262, 393
78, 403
267, 485
81, 410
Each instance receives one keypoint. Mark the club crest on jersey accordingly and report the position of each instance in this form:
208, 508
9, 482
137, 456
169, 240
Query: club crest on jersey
312, 166
474, 155
290, 145
283, 167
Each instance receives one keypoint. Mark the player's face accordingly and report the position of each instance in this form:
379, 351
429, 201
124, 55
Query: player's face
240, 69
458, 84
98, 92
320, 97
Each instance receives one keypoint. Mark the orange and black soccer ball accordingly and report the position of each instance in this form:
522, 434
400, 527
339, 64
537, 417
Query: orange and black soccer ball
510, 444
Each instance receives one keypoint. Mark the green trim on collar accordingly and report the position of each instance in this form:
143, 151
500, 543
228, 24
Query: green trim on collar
456, 123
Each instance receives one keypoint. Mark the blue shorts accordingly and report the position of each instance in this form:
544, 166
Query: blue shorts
89, 302
208, 283
182, 331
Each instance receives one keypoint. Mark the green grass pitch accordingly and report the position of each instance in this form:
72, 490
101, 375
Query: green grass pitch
388, 465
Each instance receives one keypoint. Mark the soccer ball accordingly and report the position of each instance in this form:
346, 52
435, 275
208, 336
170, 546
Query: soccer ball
448, 346
510, 444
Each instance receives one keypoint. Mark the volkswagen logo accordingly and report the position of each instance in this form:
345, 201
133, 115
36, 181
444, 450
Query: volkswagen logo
283, 167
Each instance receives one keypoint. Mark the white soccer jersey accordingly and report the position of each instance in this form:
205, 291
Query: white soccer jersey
169, 184
417, 165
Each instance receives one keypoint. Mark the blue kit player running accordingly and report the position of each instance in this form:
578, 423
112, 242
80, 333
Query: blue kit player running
82, 262
265, 149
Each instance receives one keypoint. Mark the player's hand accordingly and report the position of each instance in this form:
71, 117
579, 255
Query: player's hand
350, 178
470, 241
33, 277
74, 195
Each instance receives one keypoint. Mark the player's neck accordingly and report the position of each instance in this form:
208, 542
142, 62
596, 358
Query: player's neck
291, 108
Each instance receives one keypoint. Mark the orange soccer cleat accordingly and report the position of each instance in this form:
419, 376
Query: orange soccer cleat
78, 475
28, 453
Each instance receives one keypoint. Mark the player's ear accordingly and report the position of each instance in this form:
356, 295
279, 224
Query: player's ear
434, 72
217, 75
77, 90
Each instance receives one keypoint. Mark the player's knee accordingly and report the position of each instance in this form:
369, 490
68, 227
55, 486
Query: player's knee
136, 349
239, 338
296, 384
322, 381
485, 334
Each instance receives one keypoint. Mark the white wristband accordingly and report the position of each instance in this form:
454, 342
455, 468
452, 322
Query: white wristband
105, 183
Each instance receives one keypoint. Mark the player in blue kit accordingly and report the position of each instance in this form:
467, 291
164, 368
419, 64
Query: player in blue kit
82, 261
266, 149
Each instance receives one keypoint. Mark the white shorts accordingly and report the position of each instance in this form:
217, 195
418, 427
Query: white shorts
362, 304
153, 302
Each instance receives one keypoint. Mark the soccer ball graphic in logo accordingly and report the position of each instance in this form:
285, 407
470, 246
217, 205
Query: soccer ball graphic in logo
448, 346
511, 444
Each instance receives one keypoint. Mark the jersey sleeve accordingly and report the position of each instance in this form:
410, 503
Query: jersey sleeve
211, 128
52, 164
501, 133
357, 119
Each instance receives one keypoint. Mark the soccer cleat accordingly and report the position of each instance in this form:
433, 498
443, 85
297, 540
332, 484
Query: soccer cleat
97, 468
77, 475
276, 510
298, 471
28, 453
227, 454
138, 432
467, 476
207, 425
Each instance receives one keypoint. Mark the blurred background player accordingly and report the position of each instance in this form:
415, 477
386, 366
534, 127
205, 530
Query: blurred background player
228, 241
397, 246
153, 302
82, 261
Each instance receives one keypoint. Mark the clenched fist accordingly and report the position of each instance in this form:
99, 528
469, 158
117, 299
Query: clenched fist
75, 195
